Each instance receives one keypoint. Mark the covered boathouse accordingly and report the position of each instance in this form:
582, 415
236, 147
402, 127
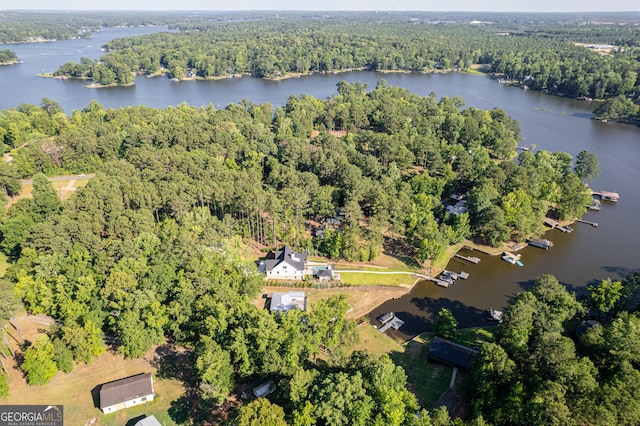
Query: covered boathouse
449, 353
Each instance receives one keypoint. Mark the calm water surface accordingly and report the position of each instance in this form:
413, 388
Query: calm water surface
556, 124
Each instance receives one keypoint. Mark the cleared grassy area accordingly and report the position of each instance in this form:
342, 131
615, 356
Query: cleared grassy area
78, 391
375, 342
475, 336
357, 278
426, 380
346, 266
64, 188
3, 264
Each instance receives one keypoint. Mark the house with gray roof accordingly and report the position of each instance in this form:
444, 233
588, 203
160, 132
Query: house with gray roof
285, 301
285, 264
127, 392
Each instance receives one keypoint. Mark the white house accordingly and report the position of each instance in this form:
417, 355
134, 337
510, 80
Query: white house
127, 392
285, 264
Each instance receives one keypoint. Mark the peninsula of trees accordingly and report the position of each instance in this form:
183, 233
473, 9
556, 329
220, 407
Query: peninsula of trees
8, 57
152, 248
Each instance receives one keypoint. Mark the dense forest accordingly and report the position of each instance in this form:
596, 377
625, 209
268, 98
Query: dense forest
153, 248
559, 361
37, 26
399, 160
150, 248
554, 58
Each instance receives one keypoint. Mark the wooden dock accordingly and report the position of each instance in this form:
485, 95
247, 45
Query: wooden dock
439, 282
468, 258
594, 224
554, 224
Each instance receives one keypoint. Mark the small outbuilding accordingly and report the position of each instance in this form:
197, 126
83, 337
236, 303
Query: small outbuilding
285, 301
127, 392
264, 389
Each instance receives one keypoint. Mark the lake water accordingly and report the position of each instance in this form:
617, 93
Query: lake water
556, 124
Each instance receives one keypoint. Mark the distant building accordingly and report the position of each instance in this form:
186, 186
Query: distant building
285, 264
127, 392
285, 301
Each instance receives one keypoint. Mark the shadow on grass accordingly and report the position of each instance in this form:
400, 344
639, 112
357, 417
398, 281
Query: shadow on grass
132, 422
172, 362
399, 249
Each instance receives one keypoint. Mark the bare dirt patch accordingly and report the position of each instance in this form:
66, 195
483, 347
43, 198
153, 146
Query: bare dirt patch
336, 133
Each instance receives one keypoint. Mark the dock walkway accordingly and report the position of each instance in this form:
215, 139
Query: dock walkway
471, 259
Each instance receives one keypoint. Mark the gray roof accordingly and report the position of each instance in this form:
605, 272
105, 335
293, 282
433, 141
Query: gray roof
287, 254
285, 301
451, 353
148, 421
126, 389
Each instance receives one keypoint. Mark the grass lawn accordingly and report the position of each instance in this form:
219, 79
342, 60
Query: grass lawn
475, 336
64, 188
375, 342
78, 391
3, 264
426, 380
357, 278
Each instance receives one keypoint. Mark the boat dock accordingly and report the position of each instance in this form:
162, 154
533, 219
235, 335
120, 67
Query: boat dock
595, 205
468, 258
394, 323
540, 243
594, 224
607, 195
554, 224
440, 282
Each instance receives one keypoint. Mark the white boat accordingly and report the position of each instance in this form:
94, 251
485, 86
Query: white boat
385, 318
510, 257
494, 315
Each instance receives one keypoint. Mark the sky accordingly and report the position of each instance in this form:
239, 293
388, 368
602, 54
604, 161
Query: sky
380, 5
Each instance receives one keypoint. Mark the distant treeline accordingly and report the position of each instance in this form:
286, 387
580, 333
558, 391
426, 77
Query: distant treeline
541, 56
